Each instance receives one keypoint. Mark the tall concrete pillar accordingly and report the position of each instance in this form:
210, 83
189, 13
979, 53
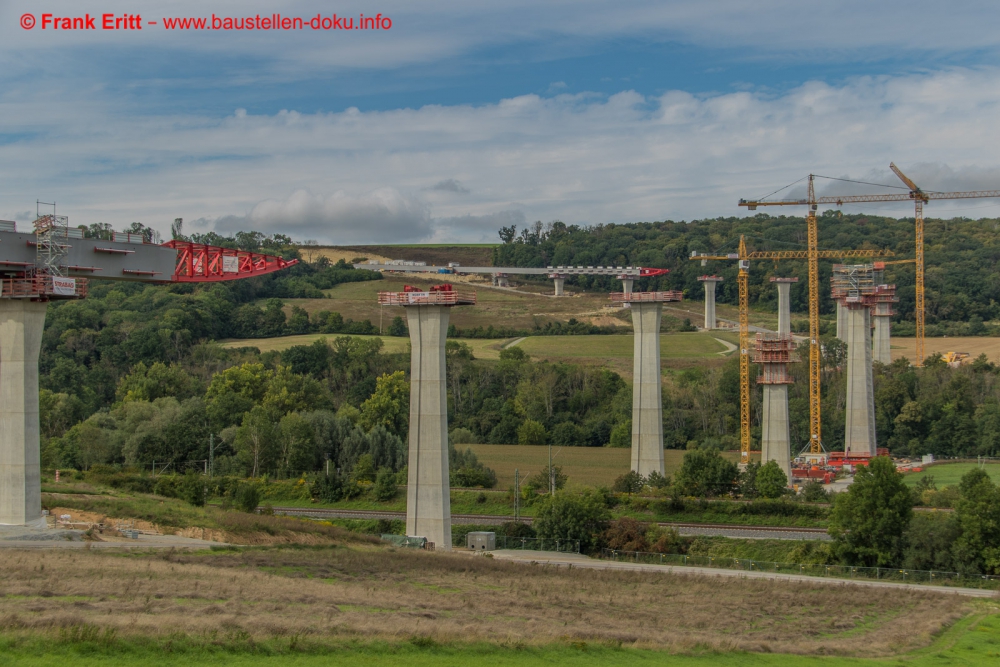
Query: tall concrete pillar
647, 402
428, 500
627, 285
775, 435
21, 324
784, 304
841, 322
859, 434
710, 283
880, 342
559, 285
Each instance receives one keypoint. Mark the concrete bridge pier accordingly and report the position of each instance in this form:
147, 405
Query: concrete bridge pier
560, 281
647, 401
841, 322
710, 283
784, 304
859, 434
647, 397
428, 499
21, 324
881, 339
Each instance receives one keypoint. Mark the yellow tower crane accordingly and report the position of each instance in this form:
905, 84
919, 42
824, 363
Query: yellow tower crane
813, 254
918, 196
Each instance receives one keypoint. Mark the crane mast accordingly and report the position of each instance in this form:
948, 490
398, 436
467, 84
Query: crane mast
813, 254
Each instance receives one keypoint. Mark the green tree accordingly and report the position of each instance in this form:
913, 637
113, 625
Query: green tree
234, 392
398, 327
149, 383
385, 488
621, 435
706, 473
389, 405
364, 469
869, 522
531, 433
572, 517
771, 480
297, 444
977, 512
255, 441
631, 482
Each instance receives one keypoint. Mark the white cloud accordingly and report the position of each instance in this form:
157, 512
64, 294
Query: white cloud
363, 176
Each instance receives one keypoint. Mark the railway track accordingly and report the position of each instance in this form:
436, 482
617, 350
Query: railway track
717, 529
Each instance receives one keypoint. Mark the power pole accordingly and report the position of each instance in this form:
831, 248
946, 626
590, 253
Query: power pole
211, 453
517, 495
552, 481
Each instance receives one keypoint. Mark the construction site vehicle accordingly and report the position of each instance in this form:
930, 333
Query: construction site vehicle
814, 472
954, 359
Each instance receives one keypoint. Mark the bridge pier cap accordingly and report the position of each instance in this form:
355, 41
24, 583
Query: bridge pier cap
428, 501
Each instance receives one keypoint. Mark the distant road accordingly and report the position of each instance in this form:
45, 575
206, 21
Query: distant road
580, 561
707, 529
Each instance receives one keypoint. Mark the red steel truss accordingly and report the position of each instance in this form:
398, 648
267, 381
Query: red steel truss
200, 263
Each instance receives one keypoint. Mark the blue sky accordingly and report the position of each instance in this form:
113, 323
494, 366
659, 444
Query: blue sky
465, 116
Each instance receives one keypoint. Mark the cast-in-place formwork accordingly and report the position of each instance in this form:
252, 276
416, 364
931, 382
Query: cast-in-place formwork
647, 401
774, 352
710, 283
858, 288
428, 502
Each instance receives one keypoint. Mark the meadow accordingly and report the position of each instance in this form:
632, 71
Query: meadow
585, 466
376, 605
950, 474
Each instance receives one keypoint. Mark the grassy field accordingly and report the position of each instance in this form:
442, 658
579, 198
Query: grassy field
974, 345
676, 349
950, 474
585, 466
373, 605
485, 348
672, 346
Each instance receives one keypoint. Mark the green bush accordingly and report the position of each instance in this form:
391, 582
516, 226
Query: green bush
327, 488
246, 497
573, 517
191, 488
706, 473
385, 488
621, 435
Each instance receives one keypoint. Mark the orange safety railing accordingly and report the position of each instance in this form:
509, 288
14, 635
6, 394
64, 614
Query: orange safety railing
641, 297
449, 298
40, 287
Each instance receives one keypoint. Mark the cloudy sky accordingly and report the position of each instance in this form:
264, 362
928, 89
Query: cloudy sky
465, 116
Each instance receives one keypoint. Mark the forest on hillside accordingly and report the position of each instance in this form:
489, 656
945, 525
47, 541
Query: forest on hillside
962, 257
132, 375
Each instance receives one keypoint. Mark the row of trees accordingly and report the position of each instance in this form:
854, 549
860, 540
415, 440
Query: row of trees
963, 291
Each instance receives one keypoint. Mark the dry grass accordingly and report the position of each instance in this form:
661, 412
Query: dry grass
482, 348
585, 466
974, 345
372, 594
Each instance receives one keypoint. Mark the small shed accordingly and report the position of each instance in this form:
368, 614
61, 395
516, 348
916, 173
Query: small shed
481, 541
